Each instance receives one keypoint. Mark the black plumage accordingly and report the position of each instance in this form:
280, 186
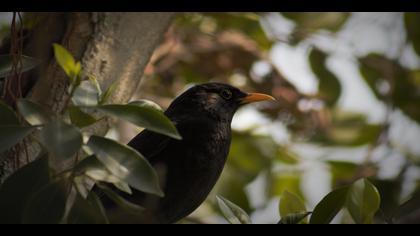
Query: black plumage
188, 168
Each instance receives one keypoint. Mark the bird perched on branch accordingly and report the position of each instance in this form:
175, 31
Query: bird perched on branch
189, 167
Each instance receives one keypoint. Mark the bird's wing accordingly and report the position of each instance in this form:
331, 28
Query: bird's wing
150, 144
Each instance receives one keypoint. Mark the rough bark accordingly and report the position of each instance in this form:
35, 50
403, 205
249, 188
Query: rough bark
110, 46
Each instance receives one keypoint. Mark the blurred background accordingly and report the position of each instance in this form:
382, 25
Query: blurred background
348, 104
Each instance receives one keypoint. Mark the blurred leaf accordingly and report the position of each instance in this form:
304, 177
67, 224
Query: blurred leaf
79, 118
126, 163
33, 113
329, 206
16, 189
390, 192
61, 139
66, 62
120, 201
108, 92
342, 172
83, 185
363, 201
12, 134
146, 103
47, 205
6, 64
95, 201
86, 94
294, 218
329, 86
143, 116
290, 204
411, 20
95, 82
7, 115
287, 156
284, 182
232, 213
84, 212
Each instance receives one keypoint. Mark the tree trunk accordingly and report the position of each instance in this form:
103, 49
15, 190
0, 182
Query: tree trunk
110, 46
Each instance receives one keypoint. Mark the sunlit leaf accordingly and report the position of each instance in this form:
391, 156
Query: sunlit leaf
12, 134
66, 61
278, 183
363, 201
143, 116
34, 113
411, 20
47, 205
126, 163
6, 64
120, 201
84, 212
16, 189
7, 115
329, 86
329, 206
341, 171
86, 94
61, 139
294, 218
290, 204
80, 118
232, 213
146, 103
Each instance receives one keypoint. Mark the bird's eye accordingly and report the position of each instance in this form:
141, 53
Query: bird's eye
226, 94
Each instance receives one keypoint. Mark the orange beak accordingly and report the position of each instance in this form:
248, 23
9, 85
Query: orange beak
256, 97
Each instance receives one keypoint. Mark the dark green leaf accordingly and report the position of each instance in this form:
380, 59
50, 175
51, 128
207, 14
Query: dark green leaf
363, 201
47, 205
411, 20
11, 135
146, 103
16, 189
128, 206
34, 113
126, 163
86, 94
143, 116
329, 206
79, 118
329, 87
61, 139
290, 204
7, 115
294, 218
84, 211
6, 64
233, 213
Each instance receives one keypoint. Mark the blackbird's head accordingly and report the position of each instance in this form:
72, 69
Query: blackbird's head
215, 100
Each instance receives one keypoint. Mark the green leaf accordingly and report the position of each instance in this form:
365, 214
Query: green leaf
126, 163
6, 64
233, 213
33, 113
17, 188
363, 201
7, 115
411, 20
86, 94
61, 139
146, 103
290, 204
12, 134
47, 205
66, 61
294, 218
329, 206
79, 118
107, 94
126, 205
84, 211
329, 87
143, 116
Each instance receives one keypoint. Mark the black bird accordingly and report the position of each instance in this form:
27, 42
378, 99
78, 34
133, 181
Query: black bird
203, 116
